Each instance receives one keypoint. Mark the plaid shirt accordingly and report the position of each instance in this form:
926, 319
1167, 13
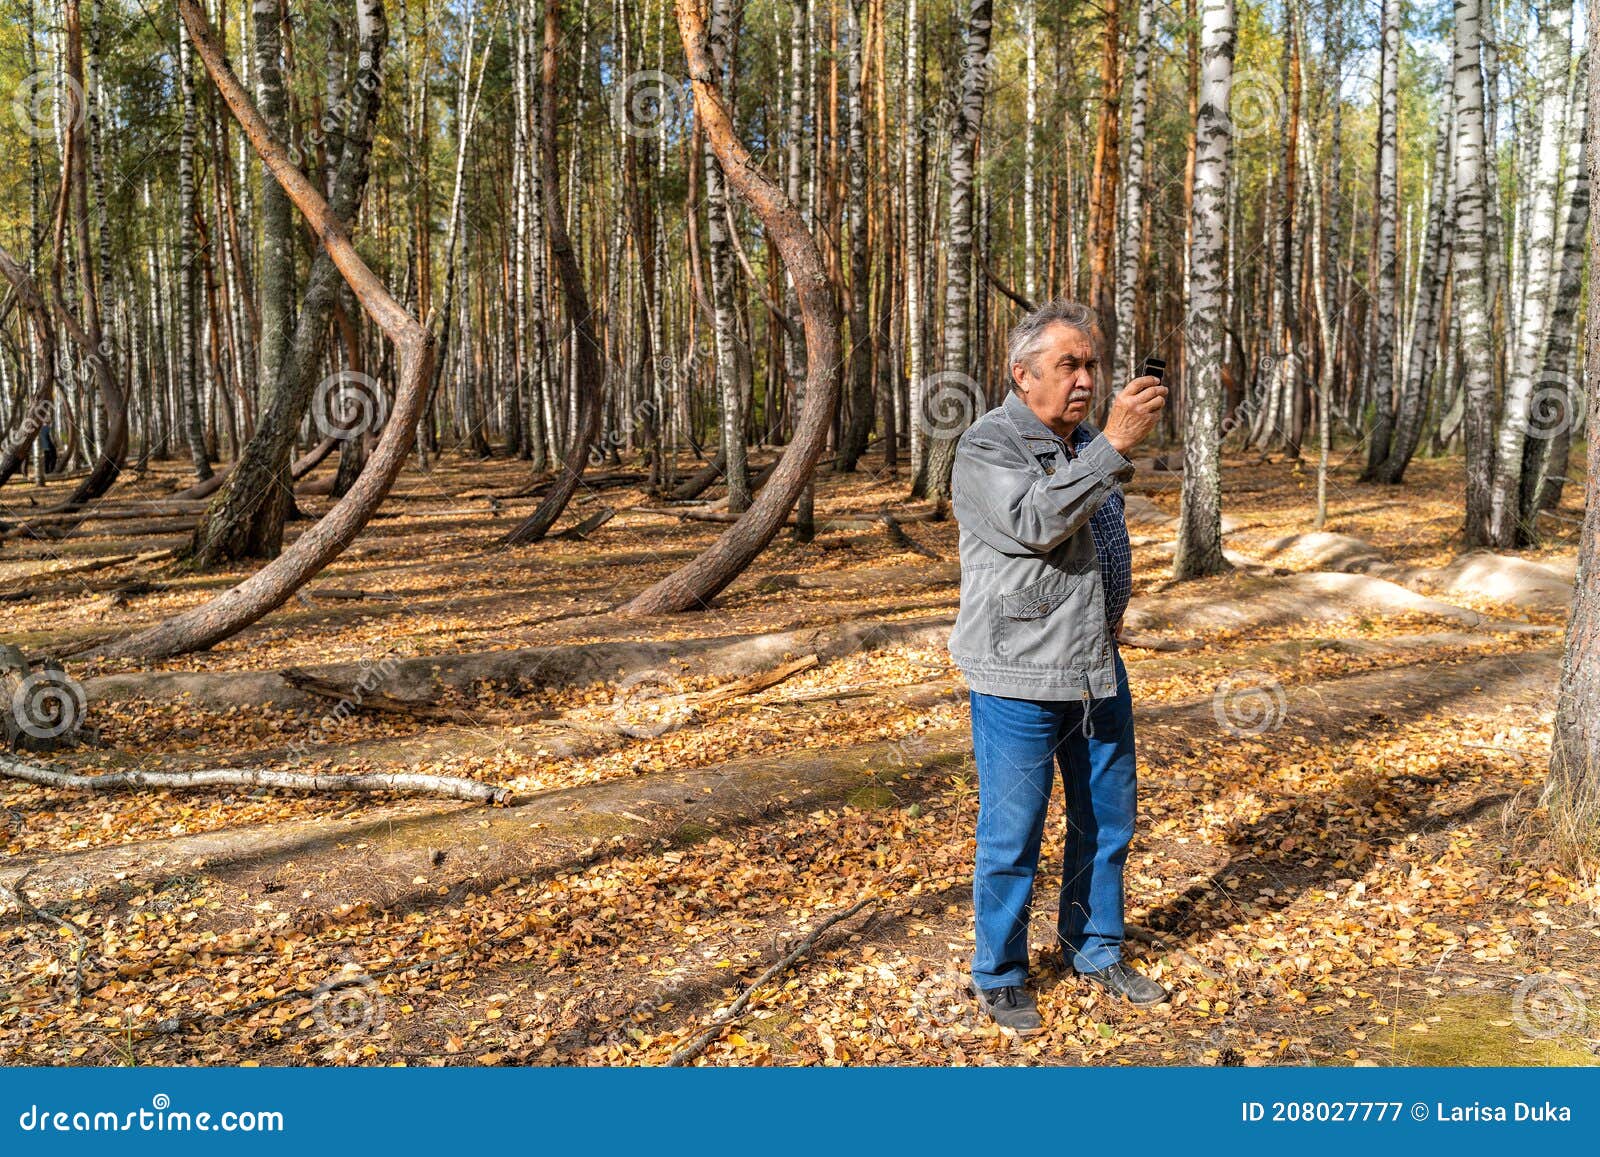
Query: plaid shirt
1109, 526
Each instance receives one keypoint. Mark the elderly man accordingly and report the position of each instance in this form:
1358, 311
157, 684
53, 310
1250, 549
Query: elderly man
1045, 578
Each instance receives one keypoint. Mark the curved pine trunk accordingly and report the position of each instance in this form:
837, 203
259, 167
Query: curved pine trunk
247, 518
693, 585
39, 409
267, 589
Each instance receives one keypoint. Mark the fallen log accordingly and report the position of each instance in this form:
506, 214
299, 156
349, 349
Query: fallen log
588, 526
360, 697
404, 783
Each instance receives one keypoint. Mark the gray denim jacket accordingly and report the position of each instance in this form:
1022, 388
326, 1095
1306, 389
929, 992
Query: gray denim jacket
1032, 623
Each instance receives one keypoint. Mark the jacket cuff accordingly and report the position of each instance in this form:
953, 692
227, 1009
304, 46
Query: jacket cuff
1104, 457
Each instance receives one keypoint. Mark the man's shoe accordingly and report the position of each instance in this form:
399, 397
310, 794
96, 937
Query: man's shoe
1120, 979
1012, 1007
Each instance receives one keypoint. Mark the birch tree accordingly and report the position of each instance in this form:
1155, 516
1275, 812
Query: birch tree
955, 402
1572, 791
1199, 550
1133, 201
1539, 232
1383, 370
1468, 264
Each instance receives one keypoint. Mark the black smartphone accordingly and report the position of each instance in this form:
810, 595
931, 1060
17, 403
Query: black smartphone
1154, 367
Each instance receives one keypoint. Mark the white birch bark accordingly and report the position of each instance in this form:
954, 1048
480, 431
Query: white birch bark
1133, 202
1199, 550
1539, 236
1468, 260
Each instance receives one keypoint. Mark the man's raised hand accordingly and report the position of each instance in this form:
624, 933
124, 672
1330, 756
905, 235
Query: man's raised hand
1134, 411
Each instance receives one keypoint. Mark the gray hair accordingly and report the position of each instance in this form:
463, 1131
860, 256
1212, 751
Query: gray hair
1028, 333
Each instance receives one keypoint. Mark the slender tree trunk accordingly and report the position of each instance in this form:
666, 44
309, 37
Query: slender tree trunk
1383, 317
860, 428
1572, 791
1431, 273
1104, 180
588, 360
188, 268
1467, 258
1552, 407
1124, 366
1533, 303
957, 398
92, 342
1199, 550
1030, 234
916, 363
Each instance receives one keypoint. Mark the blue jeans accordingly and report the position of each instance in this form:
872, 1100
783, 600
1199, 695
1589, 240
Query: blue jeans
1019, 743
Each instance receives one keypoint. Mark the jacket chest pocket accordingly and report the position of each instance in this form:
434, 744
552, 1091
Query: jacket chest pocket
1055, 622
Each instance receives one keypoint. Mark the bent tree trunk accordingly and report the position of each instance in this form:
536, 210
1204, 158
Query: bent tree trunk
246, 519
239, 606
538, 524
16, 448
693, 585
94, 346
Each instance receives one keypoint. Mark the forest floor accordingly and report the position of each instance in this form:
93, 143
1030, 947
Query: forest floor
1340, 857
